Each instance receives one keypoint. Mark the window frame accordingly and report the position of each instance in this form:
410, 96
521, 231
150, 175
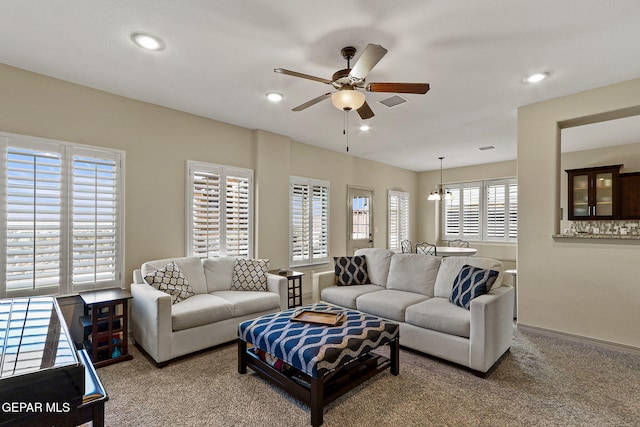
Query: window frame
404, 216
457, 189
324, 220
66, 152
224, 172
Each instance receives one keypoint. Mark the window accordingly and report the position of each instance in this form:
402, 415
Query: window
398, 216
62, 228
483, 211
220, 211
308, 221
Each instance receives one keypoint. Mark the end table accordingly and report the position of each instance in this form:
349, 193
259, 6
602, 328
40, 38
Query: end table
294, 278
105, 325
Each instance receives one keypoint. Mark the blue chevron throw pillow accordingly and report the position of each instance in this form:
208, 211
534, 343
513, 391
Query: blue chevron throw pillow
351, 270
470, 283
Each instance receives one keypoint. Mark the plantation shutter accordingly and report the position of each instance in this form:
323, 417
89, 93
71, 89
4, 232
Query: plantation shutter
205, 212
237, 216
513, 210
398, 214
299, 222
309, 221
320, 221
94, 219
452, 214
471, 211
496, 211
62, 231
220, 211
34, 220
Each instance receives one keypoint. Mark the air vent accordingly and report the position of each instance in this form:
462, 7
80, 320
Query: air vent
392, 101
488, 147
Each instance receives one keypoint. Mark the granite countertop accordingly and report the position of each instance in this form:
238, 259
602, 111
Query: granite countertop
596, 236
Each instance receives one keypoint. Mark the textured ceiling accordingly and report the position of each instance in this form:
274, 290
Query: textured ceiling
220, 56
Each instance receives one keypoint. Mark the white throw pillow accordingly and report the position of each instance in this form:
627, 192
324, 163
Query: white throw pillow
170, 280
250, 275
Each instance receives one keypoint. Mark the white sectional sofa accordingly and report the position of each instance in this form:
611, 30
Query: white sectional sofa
414, 291
208, 318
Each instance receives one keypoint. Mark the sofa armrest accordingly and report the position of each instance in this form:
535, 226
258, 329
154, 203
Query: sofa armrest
279, 285
491, 327
320, 281
151, 320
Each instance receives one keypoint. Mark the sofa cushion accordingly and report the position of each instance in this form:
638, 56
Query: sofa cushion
200, 310
191, 267
250, 275
170, 280
218, 273
247, 302
345, 296
388, 303
451, 266
470, 283
378, 260
440, 315
413, 273
351, 270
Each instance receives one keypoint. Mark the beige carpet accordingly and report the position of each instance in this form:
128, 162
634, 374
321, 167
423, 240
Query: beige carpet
542, 381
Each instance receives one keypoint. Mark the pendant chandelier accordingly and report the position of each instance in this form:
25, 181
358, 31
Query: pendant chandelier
439, 193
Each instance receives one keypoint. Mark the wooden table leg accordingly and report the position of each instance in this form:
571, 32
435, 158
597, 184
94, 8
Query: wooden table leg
242, 356
316, 401
395, 356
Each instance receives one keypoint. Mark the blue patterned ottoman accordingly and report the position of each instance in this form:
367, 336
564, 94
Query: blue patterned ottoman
325, 361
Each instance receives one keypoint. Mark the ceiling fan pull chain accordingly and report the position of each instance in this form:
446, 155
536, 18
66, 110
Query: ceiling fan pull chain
345, 130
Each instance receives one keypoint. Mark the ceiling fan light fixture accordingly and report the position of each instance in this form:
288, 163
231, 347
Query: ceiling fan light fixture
365, 128
347, 99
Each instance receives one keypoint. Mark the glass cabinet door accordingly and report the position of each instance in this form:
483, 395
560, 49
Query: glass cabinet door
604, 194
581, 195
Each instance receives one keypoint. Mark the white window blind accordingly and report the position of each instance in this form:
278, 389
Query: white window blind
482, 211
398, 218
94, 218
62, 232
309, 221
220, 211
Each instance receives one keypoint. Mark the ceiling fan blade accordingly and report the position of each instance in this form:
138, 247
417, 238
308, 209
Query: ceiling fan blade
419, 88
304, 76
372, 54
312, 102
365, 111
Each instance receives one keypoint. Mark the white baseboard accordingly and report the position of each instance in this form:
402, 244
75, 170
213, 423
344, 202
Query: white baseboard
578, 338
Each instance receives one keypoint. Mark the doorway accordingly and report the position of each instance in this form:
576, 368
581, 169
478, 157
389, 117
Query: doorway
359, 218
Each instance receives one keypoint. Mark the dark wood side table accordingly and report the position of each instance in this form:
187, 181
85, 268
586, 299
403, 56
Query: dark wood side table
105, 325
294, 278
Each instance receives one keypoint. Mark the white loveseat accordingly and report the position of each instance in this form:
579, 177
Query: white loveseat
414, 291
208, 318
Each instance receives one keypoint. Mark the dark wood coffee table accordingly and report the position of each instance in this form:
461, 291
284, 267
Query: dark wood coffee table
322, 362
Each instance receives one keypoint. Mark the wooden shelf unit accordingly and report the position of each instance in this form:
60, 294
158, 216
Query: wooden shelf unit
105, 326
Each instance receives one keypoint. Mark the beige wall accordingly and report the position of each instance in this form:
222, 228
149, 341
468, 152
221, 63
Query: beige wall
158, 141
585, 288
429, 211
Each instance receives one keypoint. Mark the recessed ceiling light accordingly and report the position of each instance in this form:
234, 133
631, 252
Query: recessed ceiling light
364, 128
536, 78
274, 96
147, 41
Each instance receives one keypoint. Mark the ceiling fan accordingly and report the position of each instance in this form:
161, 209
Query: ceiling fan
350, 81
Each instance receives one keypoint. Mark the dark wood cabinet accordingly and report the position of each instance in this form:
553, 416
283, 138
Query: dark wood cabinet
630, 195
594, 193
